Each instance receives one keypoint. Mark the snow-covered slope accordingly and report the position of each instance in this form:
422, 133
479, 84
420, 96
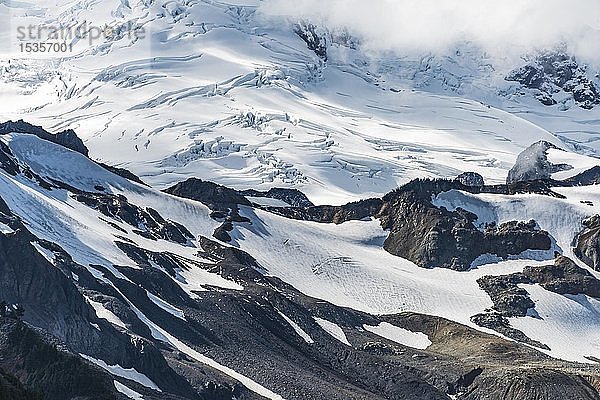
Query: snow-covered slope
218, 91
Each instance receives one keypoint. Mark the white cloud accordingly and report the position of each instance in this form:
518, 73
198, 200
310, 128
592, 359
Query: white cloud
502, 27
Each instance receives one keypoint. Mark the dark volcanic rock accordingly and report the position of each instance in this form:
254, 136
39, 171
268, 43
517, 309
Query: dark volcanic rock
150, 223
67, 138
222, 200
564, 277
315, 41
585, 178
588, 243
555, 72
509, 299
530, 384
293, 197
332, 214
11, 388
216, 197
472, 179
435, 237
45, 370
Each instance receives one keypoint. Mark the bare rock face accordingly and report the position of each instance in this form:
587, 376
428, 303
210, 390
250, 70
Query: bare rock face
316, 41
471, 179
532, 384
556, 73
588, 243
67, 138
564, 277
435, 237
532, 164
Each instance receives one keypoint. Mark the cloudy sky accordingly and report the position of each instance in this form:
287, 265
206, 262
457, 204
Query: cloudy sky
500, 27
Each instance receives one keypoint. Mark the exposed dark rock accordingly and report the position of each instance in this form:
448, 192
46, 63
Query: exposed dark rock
214, 196
435, 237
332, 214
564, 277
315, 41
11, 388
587, 247
532, 164
530, 384
222, 231
293, 197
67, 138
551, 73
46, 371
150, 223
222, 200
122, 173
509, 299
472, 179
588, 177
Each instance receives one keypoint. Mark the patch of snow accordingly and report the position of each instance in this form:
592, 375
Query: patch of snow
48, 255
333, 329
132, 394
5, 229
297, 328
417, 340
104, 313
568, 324
579, 162
127, 373
267, 201
166, 306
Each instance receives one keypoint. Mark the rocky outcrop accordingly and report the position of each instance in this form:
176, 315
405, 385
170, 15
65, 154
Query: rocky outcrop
223, 201
435, 237
332, 214
532, 164
315, 41
214, 196
293, 197
587, 247
509, 299
471, 179
44, 370
148, 223
67, 138
562, 277
551, 75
